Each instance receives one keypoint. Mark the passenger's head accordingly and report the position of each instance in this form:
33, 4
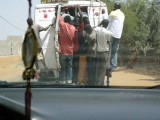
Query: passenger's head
103, 11
88, 28
104, 23
86, 20
30, 21
117, 5
71, 11
66, 11
67, 19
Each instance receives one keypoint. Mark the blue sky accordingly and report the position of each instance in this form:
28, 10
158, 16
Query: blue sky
15, 12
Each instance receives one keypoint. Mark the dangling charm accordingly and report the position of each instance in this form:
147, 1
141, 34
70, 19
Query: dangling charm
29, 52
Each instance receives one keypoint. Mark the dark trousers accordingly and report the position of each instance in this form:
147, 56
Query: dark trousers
91, 70
66, 67
75, 67
101, 60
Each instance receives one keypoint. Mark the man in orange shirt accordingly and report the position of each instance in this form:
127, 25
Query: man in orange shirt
66, 45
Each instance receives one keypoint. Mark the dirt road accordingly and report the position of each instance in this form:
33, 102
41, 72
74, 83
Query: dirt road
130, 78
11, 68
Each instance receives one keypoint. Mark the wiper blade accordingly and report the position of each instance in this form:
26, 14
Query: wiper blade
2, 83
35, 84
154, 87
54, 84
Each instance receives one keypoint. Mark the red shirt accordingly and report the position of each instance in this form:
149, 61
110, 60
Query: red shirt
66, 36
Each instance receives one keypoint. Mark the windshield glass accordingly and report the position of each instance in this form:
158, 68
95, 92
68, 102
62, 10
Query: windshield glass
100, 44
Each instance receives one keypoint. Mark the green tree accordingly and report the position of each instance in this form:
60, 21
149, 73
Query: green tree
142, 29
128, 47
153, 20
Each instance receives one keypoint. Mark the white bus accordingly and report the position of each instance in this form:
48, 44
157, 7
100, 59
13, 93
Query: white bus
44, 15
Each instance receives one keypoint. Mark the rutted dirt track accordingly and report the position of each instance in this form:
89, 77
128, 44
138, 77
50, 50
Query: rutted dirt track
11, 68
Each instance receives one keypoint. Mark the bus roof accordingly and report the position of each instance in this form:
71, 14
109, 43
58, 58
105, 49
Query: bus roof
81, 3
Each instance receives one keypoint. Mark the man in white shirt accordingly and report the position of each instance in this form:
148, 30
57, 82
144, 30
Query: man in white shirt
102, 52
37, 28
104, 14
116, 21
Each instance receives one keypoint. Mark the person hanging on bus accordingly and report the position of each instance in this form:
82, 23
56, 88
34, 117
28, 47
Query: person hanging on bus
37, 29
66, 13
89, 35
79, 25
116, 20
66, 45
104, 14
102, 52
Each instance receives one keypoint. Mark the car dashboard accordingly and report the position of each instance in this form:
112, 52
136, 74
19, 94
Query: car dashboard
81, 104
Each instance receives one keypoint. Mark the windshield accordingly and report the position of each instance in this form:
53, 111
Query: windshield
90, 45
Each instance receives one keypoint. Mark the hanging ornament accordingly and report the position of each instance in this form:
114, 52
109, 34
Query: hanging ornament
29, 54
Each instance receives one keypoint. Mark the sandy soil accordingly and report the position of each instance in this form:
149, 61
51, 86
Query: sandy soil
130, 78
11, 68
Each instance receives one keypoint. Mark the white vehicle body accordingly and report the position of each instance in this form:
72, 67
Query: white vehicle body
44, 15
